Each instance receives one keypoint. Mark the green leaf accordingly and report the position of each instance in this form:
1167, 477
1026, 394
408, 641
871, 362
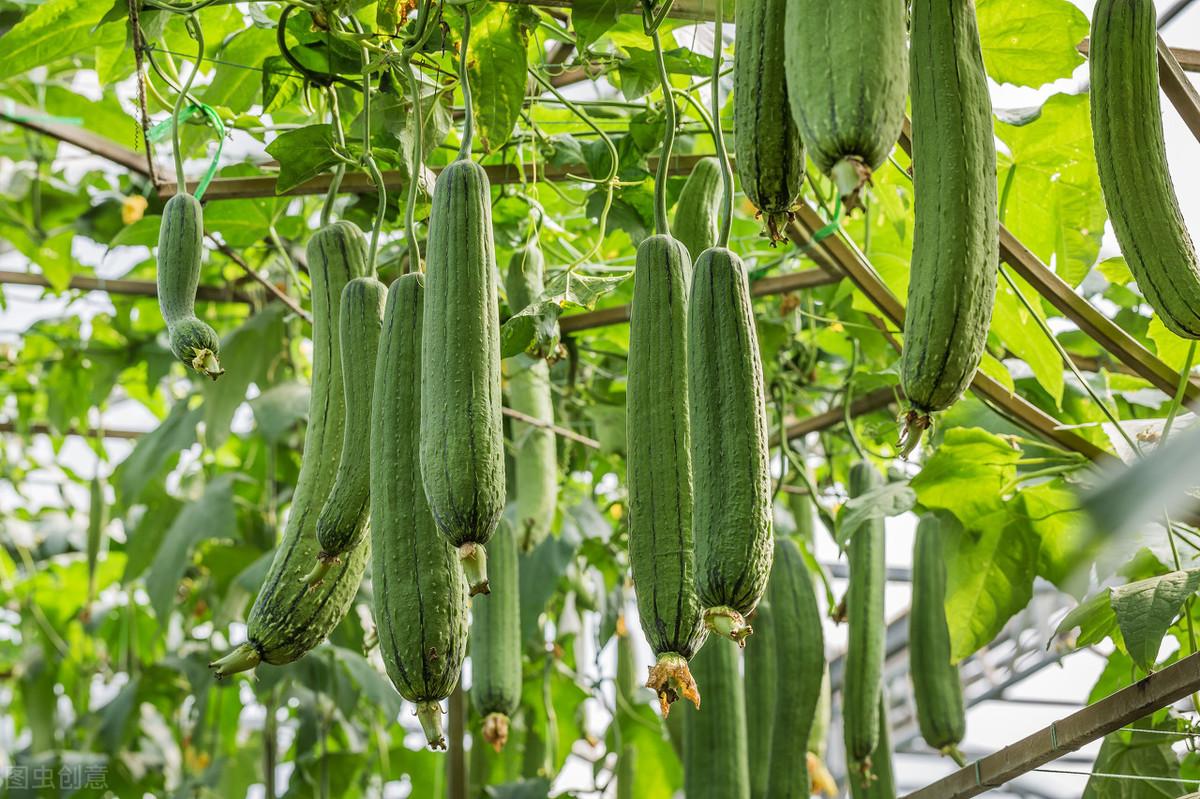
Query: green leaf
1146, 608
1094, 617
1052, 510
989, 577
591, 19
114, 716
153, 450
279, 409
1018, 329
233, 85
53, 30
250, 349
1140, 758
889, 499
638, 72
280, 84
497, 58
376, 688
302, 154
966, 473
54, 257
1030, 42
142, 233
1169, 347
210, 516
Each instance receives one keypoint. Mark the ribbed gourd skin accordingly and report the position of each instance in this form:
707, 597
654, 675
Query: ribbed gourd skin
952, 282
180, 252
626, 688
1132, 158
760, 692
732, 514
937, 688
714, 739
881, 783
799, 664
865, 623
462, 439
419, 587
288, 619
847, 78
342, 524
698, 210
535, 454
769, 149
658, 465
496, 639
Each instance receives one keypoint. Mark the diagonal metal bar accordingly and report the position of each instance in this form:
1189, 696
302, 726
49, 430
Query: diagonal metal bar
1178, 88
868, 281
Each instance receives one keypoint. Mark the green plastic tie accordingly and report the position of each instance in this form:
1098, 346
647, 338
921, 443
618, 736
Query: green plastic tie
163, 129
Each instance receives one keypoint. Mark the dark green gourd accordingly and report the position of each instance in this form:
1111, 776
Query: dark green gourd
714, 739
180, 251
698, 209
496, 640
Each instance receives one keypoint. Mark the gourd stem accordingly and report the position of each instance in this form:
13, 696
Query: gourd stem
335, 119
198, 34
464, 150
414, 169
661, 225
718, 135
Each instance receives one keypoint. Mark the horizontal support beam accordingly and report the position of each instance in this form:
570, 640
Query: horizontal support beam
91, 432
133, 288
1069, 734
394, 179
804, 279
698, 10
84, 139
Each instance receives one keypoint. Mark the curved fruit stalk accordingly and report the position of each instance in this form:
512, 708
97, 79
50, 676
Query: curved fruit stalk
714, 739
535, 453
865, 620
659, 469
799, 662
462, 438
1132, 158
760, 692
937, 687
420, 592
956, 245
180, 251
770, 152
342, 524
698, 210
496, 641
289, 619
847, 81
731, 518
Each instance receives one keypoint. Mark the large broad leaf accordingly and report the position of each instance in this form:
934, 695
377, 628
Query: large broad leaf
1146, 608
889, 499
210, 516
537, 323
966, 473
234, 86
1019, 330
1141, 758
1030, 42
247, 352
279, 409
54, 30
1094, 617
593, 18
989, 577
496, 65
302, 155
1050, 189
1052, 511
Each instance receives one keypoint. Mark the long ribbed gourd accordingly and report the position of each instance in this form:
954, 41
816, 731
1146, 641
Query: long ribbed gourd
760, 692
847, 80
881, 782
732, 514
535, 454
937, 687
770, 152
1131, 155
865, 622
626, 692
659, 468
180, 252
952, 280
420, 591
462, 439
288, 618
715, 763
698, 209
496, 640
342, 524
799, 663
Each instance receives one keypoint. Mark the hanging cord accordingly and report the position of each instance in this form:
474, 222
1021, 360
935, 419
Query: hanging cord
335, 118
464, 150
411, 46
661, 224
368, 160
718, 134
198, 34
135, 35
